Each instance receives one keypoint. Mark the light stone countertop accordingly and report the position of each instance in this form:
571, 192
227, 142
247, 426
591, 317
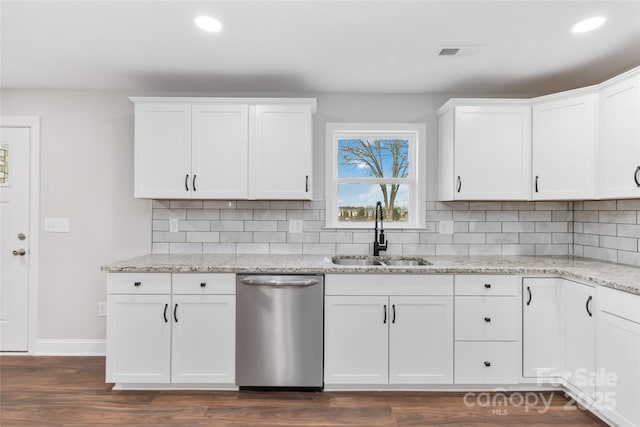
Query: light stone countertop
617, 276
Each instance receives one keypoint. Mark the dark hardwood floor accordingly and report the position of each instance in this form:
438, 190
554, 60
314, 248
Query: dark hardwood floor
70, 391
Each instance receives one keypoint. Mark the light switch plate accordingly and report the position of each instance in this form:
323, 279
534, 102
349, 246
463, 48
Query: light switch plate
173, 225
56, 225
445, 227
295, 226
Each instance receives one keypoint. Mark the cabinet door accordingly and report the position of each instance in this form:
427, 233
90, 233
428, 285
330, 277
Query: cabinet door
421, 340
541, 327
138, 339
356, 340
220, 151
281, 162
578, 335
203, 342
618, 356
492, 153
618, 167
162, 150
564, 148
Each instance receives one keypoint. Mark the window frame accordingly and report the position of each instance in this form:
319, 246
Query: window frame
416, 179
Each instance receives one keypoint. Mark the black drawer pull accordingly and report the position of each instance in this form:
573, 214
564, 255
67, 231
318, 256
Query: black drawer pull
487, 285
636, 175
487, 364
385, 314
137, 283
587, 306
487, 319
529, 290
175, 314
165, 313
203, 284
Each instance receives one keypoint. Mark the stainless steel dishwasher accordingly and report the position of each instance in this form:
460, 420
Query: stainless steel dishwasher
279, 331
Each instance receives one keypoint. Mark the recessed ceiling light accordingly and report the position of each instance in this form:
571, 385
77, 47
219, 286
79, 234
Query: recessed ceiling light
588, 24
208, 23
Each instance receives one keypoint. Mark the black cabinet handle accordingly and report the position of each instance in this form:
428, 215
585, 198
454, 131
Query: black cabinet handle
487, 319
385, 314
587, 306
165, 313
306, 183
529, 290
459, 184
537, 183
186, 182
175, 314
487, 364
393, 307
193, 182
203, 284
137, 283
636, 176
487, 285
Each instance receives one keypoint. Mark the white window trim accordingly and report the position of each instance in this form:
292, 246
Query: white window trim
417, 175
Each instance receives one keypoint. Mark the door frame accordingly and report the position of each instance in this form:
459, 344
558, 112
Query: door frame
33, 123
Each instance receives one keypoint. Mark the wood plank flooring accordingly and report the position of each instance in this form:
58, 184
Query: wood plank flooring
70, 391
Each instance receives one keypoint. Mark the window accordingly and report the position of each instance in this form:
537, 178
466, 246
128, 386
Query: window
371, 162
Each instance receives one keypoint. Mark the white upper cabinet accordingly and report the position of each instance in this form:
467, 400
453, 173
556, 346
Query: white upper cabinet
618, 147
220, 149
282, 157
485, 150
564, 134
223, 148
162, 149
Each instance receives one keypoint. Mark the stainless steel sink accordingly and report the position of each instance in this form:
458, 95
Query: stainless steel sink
381, 261
355, 261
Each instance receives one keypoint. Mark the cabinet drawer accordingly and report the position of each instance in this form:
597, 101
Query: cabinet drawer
486, 363
487, 318
139, 283
487, 284
388, 284
204, 283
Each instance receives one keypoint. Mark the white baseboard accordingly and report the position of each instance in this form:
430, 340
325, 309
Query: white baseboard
70, 347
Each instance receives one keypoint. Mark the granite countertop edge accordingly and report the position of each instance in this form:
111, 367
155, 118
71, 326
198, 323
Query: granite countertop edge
616, 276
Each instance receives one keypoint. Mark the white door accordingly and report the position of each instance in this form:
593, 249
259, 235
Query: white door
203, 339
564, 134
14, 238
356, 339
282, 152
578, 335
220, 151
541, 327
138, 339
492, 153
618, 168
163, 150
421, 340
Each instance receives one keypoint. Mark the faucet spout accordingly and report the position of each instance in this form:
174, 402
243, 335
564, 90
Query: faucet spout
379, 243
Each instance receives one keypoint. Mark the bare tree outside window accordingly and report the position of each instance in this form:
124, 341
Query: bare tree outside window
379, 158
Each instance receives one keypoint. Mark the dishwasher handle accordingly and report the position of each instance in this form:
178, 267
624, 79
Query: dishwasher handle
279, 283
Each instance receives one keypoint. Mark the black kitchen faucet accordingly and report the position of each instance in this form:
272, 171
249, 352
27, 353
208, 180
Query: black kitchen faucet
379, 243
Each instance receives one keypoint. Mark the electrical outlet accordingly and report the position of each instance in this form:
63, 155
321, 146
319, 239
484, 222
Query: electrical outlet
445, 227
102, 309
173, 225
295, 226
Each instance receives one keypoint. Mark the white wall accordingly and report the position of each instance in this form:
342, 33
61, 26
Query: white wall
87, 176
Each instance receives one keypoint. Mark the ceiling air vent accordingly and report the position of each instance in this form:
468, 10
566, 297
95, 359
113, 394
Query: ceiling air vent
447, 51
466, 50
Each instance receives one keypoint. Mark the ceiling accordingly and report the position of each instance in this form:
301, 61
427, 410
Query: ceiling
523, 47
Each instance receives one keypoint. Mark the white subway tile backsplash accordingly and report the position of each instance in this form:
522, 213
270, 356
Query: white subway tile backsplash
607, 229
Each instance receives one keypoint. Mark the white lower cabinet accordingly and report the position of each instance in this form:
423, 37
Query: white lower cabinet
164, 328
388, 339
480, 362
618, 356
541, 341
578, 332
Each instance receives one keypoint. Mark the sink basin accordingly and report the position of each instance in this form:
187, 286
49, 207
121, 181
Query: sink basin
382, 261
355, 261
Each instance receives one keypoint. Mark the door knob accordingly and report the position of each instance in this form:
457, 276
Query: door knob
19, 252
